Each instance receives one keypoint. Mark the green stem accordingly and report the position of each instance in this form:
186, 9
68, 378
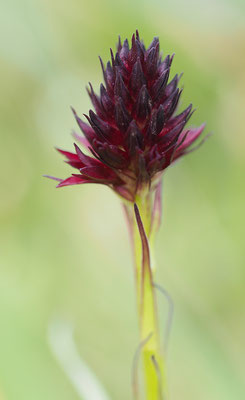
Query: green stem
153, 365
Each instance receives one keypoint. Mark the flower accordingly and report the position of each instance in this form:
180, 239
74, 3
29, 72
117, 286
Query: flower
134, 133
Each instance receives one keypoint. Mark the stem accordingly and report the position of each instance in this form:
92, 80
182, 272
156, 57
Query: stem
153, 366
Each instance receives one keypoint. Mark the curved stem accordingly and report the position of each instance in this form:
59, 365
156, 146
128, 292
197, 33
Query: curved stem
140, 219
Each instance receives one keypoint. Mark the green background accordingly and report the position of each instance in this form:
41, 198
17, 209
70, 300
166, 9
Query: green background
66, 252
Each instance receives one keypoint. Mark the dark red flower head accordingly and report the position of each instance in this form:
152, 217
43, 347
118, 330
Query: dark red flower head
134, 134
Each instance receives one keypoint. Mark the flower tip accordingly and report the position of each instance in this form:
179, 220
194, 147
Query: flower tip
133, 39
61, 184
87, 117
180, 76
191, 112
76, 146
201, 128
171, 59
119, 43
77, 137
123, 131
91, 114
59, 150
102, 64
52, 177
112, 57
73, 110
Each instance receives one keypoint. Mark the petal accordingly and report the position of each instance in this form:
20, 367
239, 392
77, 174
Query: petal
143, 104
120, 89
95, 101
104, 130
160, 85
122, 116
73, 180
157, 209
73, 159
111, 155
86, 160
82, 140
86, 129
173, 122
171, 137
156, 123
151, 59
137, 78
133, 138
125, 193
100, 173
106, 101
191, 137
70, 156
170, 104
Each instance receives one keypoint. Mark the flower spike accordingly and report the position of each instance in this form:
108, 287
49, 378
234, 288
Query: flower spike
130, 138
134, 130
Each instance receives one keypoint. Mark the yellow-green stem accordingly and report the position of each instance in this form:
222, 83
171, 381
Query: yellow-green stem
153, 364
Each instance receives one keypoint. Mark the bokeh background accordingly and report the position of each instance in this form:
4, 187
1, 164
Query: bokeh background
65, 253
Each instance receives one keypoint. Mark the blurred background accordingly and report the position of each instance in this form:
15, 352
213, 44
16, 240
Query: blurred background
65, 253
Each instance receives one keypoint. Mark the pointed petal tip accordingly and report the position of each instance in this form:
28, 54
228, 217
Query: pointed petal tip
92, 115
76, 146
89, 88
200, 128
63, 152
112, 57
73, 110
73, 180
74, 134
87, 117
52, 177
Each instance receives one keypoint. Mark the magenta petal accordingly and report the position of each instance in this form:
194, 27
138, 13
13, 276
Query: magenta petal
125, 193
166, 141
73, 180
86, 160
192, 135
133, 132
70, 156
75, 164
157, 208
73, 159
101, 173
84, 142
85, 128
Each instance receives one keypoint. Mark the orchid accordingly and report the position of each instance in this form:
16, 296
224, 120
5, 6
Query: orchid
133, 135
